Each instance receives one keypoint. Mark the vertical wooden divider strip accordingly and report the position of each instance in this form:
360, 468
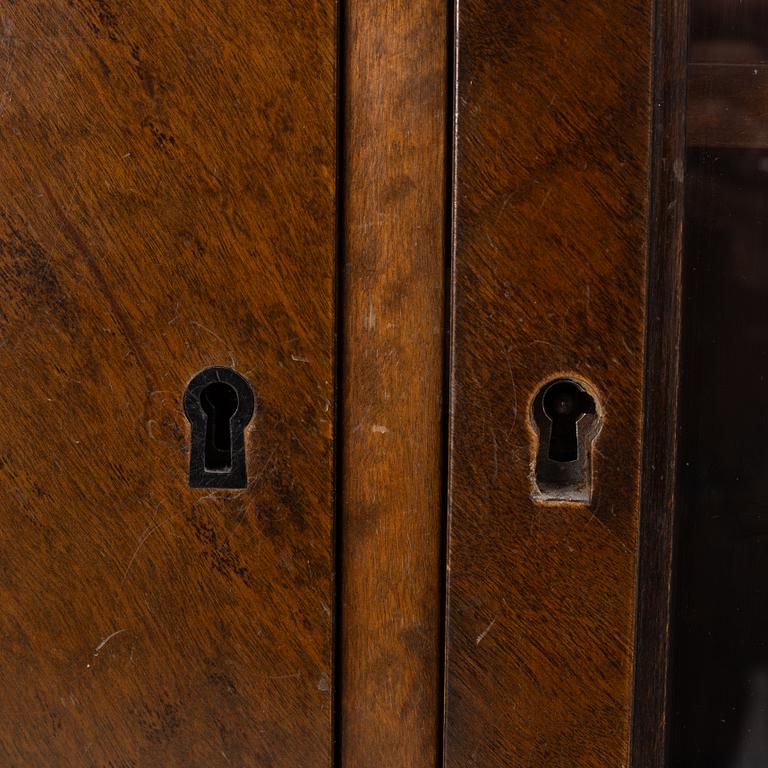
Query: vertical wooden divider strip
392, 297
657, 500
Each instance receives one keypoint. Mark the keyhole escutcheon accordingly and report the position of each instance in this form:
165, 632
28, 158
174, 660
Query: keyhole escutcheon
566, 421
219, 405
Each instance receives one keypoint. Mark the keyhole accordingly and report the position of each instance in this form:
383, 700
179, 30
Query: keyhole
566, 421
219, 402
564, 404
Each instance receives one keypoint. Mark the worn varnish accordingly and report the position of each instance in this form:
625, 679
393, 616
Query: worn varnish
390, 523
551, 221
167, 204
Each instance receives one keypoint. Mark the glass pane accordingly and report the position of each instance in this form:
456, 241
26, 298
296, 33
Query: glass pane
720, 629
719, 692
729, 31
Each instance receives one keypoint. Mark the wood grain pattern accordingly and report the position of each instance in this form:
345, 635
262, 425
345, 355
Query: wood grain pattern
551, 196
391, 576
167, 204
658, 489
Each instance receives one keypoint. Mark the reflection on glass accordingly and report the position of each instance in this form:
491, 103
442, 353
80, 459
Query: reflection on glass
720, 628
729, 31
719, 686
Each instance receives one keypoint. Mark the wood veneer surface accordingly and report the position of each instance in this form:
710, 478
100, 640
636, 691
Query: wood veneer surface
167, 203
550, 248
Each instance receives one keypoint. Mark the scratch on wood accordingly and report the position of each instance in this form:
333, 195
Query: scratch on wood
369, 317
482, 635
106, 640
207, 330
142, 540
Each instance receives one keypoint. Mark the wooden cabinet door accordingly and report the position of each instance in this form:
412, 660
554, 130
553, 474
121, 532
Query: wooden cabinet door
552, 169
168, 204
297, 302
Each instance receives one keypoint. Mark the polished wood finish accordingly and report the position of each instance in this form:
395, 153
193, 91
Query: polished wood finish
658, 490
390, 484
551, 196
168, 204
